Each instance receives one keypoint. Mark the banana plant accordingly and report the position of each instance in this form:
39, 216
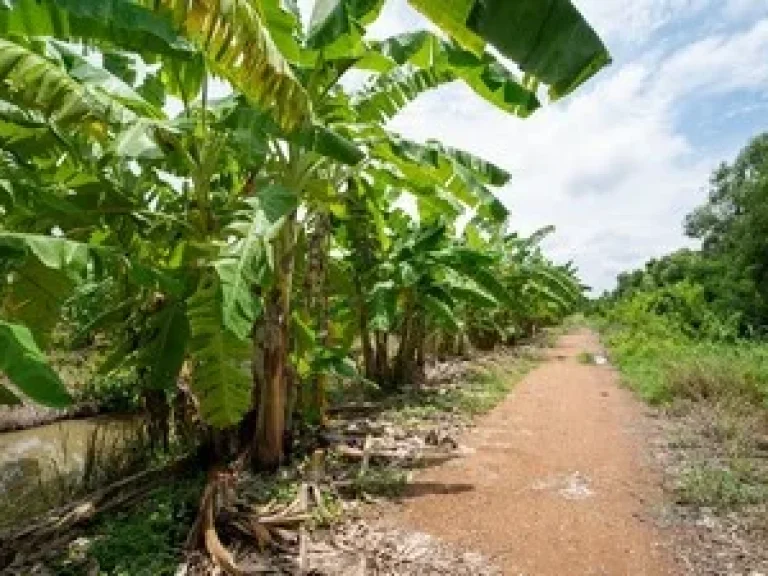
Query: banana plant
539, 291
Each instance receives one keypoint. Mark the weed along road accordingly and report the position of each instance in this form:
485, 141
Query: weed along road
559, 481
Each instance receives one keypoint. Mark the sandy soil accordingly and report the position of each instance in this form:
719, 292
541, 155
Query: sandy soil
559, 483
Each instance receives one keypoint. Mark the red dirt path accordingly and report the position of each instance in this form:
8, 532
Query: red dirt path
559, 485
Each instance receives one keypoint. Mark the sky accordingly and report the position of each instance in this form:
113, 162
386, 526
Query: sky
617, 165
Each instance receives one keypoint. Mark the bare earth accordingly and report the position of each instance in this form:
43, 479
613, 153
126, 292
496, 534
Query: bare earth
560, 483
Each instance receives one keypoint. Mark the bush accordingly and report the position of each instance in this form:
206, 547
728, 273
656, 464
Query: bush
717, 379
720, 486
116, 393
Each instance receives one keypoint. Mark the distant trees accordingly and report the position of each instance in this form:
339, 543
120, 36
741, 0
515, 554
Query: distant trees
729, 273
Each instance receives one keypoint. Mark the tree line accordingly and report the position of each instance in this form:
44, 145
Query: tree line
720, 290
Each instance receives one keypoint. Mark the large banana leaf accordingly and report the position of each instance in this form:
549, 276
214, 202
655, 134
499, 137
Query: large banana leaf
548, 39
391, 92
238, 47
330, 144
27, 368
41, 280
436, 154
32, 82
428, 166
246, 260
483, 73
221, 380
250, 128
465, 289
164, 349
101, 80
283, 20
337, 27
121, 23
554, 281
442, 312
231, 34
52, 252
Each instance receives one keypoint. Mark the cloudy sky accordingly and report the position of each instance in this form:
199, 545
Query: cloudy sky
617, 165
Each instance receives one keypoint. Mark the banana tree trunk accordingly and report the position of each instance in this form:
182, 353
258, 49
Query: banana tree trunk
251, 420
369, 360
381, 361
405, 358
419, 374
268, 449
158, 412
319, 246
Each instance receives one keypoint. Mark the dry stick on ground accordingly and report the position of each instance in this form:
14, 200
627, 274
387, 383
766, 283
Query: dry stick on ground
204, 527
367, 446
303, 536
427, 457
277, 529
354, 408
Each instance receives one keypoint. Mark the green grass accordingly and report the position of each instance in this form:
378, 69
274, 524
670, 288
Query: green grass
386, 482
145, 541
721, 486
720, 391
484, 389
586, 358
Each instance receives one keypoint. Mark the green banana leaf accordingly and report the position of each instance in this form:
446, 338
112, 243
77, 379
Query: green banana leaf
27, 368
548, 39
484, 74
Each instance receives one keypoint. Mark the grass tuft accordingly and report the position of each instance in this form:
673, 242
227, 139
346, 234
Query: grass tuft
720, 486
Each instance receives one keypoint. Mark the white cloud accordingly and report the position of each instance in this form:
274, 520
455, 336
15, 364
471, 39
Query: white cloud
621, 21
719, 64
609, 166
635, 20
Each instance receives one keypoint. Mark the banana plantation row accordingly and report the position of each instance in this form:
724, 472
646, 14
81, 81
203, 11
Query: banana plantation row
255, 245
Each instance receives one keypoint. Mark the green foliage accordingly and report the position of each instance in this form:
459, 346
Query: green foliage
144, 540
717, 292
551, 41
165, 347
116, 393
237, 45
663, 367
26, 366
337, 26
679, 310
482, 72
720, 486
65, 101
192, 227
221, 380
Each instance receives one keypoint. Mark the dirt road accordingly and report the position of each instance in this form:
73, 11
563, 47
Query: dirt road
559, 483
